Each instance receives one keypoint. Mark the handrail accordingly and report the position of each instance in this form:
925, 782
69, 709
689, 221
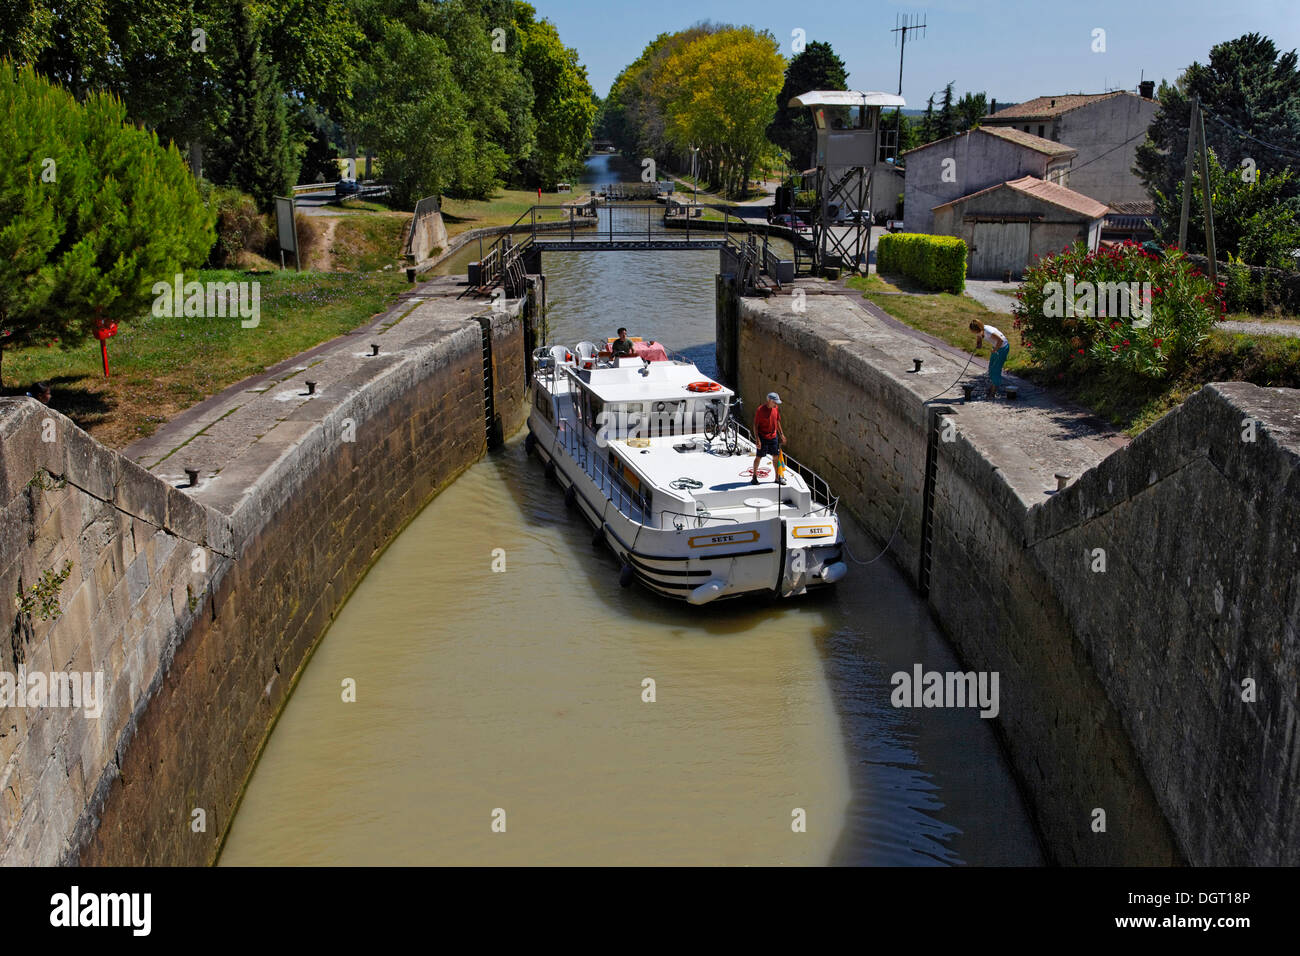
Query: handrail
701, 519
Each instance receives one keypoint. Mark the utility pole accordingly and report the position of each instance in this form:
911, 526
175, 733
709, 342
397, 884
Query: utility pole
1193, 115
1205, 196
903, 24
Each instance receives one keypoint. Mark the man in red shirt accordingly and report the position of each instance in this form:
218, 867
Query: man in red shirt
768, 431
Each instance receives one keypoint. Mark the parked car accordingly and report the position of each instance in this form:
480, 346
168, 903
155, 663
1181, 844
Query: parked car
346, 187
790, 222
848, 216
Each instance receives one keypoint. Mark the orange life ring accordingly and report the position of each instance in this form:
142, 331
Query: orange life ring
704, 387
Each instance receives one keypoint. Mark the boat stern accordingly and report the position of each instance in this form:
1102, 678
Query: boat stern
813, 554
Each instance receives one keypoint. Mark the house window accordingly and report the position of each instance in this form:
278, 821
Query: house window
1040, 130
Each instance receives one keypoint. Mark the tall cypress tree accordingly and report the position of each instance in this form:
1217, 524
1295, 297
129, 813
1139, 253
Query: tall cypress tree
256, 152
927, 123
947, 122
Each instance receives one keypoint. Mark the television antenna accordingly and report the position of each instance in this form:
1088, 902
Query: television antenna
904, 23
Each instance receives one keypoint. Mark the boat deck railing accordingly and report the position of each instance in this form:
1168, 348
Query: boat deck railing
633, 502
627, 500
817, 486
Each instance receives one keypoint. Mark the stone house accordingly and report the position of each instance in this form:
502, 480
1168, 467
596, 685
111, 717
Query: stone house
1006, 225
1104, 128
969, 162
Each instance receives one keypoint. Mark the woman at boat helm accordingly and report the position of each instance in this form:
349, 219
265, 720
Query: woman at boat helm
767, 426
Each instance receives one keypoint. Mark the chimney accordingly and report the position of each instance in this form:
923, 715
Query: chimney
994, 107
1147, 89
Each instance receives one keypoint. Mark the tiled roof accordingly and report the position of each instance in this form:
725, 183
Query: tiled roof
1137, 207
1019, 137
1047, 192
1037, 143
1047, 107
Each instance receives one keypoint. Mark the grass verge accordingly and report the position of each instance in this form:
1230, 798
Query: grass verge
161, 366
1129, 403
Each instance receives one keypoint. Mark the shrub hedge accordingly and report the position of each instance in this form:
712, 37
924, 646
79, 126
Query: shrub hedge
937, 262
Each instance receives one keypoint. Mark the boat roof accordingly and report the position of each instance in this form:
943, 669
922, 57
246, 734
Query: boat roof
666, 381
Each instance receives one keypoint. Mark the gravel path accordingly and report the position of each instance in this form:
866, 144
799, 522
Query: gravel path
1291, 329
982, 291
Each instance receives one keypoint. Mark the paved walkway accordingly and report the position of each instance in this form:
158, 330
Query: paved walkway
1030, 439
232, 436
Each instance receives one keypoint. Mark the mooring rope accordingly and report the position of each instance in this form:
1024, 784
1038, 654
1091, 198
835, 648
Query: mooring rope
898, 525
969, 358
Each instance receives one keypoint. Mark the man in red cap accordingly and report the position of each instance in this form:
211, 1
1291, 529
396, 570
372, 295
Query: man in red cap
767, 428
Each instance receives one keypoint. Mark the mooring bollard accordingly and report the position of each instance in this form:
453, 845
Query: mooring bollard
967, 391
1012, 392
193, 475
1061, 481
374, 348
917, 363
311, 388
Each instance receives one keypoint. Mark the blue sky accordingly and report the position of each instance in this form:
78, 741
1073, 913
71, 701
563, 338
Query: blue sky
1011, 49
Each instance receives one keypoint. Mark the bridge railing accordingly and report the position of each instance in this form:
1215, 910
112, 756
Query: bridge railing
626, 223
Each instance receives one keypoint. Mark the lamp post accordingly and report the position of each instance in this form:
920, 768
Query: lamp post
695, 178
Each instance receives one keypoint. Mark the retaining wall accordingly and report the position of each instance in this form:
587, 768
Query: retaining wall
1121, 689
200, 606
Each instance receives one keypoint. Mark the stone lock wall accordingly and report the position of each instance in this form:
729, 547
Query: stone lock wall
1121, 690
197, 664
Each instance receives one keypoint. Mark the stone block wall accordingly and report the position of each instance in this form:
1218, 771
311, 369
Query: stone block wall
1121, 691
197, 664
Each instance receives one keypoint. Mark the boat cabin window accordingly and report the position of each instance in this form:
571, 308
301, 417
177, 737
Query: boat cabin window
649, 419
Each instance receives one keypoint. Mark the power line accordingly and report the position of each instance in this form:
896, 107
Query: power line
1256, 139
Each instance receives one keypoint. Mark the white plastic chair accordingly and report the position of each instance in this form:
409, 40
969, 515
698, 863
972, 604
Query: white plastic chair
587, 354
561, 355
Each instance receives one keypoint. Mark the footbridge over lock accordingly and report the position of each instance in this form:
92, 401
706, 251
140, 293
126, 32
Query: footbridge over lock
747, 247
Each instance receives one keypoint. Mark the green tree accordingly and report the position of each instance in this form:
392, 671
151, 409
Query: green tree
563, 105
971, 108
945, 123
93, 211
816, 68
721, 91
926, 131
255, 152
415, 116
1256, 217
1246, 84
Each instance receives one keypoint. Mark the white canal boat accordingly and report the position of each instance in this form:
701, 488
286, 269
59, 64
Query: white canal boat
654, 456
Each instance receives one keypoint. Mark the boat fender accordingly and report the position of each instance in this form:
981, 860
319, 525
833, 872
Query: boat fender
834, 571
626, 576
550, 469
570, 496
530, 443
598, 537
706, 592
